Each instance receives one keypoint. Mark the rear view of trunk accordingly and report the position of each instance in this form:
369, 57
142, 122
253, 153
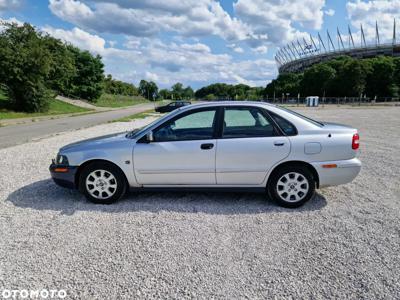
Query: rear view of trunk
341, 142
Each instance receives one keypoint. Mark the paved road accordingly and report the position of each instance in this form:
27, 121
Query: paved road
18, 134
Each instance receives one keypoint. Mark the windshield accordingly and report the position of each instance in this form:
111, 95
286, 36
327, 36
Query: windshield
138, 131
301, 116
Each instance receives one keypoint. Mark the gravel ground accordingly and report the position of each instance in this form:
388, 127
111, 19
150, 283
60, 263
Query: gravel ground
342, 244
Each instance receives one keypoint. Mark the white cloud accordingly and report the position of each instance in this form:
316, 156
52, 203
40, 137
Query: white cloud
12, 20
147, 18
235, 48
132, 43
366, 13
107, 17
9, 4
261, 50
238, 50
151, 76
258, 23
112, 43
277, 18
201, 48
330, 12
9, 20
79, 38
167, 63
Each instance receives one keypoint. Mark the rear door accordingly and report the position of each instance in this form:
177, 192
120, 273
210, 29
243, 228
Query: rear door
249, 146
182, 153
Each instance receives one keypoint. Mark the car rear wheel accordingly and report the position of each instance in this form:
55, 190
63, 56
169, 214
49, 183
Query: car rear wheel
102, 183
292, 186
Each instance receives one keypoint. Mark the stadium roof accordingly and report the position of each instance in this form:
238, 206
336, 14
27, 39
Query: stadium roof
298, 55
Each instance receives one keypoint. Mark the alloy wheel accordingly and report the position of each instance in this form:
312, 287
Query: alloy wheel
292, 187
101, 184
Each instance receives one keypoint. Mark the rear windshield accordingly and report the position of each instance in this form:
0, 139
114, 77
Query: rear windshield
301, 116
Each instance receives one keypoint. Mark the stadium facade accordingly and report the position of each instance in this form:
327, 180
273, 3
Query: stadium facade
299, 55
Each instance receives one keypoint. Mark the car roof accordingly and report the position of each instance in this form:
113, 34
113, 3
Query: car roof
296, 120
300, 123
227, 103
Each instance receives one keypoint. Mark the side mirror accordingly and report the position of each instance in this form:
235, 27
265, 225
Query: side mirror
149, 137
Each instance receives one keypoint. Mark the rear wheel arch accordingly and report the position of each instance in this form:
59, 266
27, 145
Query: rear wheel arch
86, 163
295, 163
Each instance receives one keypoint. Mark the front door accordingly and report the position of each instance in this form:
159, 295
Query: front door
250, 145
182, 153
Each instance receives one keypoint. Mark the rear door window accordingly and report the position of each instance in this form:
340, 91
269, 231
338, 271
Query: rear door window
243, 122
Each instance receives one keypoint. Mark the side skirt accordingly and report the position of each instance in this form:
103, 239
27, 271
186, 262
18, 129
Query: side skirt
200, 189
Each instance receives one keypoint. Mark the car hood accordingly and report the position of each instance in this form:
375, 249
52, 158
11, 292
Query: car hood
96, 142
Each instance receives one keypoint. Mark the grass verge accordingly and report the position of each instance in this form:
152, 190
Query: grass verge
137, 116
56, 107
108, 100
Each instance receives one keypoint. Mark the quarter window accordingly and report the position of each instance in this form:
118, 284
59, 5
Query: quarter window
240, 122
287, 127
198, 125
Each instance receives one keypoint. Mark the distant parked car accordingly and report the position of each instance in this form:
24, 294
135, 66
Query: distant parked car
172, 106
222, 145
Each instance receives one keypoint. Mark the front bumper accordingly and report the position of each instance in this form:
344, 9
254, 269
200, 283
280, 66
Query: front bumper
63, 175
344, 172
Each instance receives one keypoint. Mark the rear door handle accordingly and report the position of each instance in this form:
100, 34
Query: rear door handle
206, 146
278, 143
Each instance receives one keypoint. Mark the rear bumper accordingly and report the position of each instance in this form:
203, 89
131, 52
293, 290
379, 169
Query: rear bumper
64, 178
344, 172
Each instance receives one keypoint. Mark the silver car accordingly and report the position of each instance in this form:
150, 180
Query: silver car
218, 145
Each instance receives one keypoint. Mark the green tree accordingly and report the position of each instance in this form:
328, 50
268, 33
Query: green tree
396, 71
239, 92
25, 63
223, 91
210, 97
177, 91
117, 87
148, 89
88, 81
380, 77
188, 93
62, 69
165, 94
343, 76
289, 83
396, 77
352, 78
317, 80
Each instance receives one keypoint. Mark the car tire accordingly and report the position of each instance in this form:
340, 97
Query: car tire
102, 183
291, 186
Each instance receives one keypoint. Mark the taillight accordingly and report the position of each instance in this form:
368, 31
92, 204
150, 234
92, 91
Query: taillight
355, 144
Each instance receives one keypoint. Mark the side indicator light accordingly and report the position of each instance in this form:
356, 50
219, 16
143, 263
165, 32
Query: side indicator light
329, 166
61, 170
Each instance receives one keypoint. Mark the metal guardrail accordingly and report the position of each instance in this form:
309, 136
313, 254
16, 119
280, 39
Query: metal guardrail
337, 101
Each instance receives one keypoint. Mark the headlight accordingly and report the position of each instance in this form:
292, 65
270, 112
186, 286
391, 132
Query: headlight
61, 160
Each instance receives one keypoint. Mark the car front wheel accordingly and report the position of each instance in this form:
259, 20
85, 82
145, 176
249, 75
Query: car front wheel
102, 183
292, 186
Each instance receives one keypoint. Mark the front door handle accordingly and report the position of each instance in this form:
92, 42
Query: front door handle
206, 146
279, 143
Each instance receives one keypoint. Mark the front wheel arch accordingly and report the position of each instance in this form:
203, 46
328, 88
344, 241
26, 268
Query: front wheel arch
86, 163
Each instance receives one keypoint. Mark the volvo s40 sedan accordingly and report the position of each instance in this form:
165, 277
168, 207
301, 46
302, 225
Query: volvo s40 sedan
223, 145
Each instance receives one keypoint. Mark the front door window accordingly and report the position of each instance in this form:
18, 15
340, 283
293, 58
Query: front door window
197, 125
